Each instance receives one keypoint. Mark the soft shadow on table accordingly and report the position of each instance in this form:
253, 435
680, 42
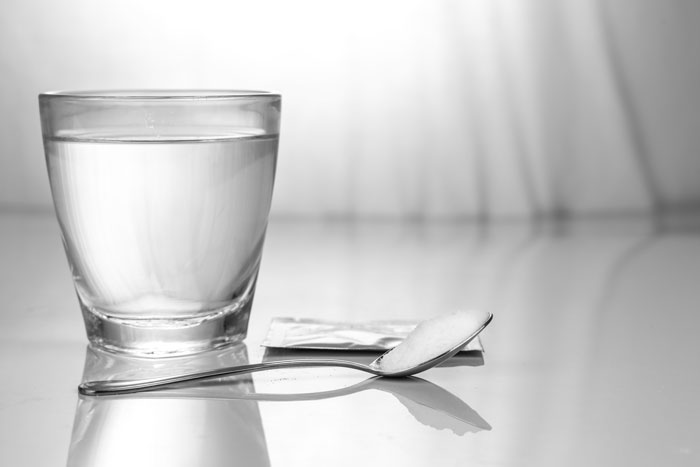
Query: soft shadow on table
210, 423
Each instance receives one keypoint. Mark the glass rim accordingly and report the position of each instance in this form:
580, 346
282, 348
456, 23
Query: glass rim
158, 94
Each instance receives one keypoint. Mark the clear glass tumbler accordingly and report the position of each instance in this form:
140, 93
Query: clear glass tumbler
163, 199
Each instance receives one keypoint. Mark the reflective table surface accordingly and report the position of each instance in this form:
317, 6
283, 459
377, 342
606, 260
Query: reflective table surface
592, 357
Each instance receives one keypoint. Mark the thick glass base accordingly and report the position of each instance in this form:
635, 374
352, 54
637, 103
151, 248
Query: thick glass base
168, 337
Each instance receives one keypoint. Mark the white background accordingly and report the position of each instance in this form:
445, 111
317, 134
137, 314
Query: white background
401, 109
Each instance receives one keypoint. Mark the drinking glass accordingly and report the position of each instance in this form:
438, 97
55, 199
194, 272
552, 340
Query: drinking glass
163, 200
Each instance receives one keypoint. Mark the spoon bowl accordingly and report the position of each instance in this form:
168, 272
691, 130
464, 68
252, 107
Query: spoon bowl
115, 387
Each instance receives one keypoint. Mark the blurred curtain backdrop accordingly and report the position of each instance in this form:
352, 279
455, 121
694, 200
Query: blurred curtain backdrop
436, 109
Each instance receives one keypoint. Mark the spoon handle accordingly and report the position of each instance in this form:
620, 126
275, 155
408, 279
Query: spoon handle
115, 387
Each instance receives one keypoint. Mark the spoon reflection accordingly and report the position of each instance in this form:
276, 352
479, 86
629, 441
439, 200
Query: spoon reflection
428, 403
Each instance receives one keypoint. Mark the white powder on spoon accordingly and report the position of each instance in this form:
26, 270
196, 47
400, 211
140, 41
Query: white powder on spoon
432, 338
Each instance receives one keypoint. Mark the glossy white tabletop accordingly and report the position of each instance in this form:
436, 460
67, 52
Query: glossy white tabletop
592, 357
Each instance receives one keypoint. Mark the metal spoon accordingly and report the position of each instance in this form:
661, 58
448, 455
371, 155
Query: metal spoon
107, 388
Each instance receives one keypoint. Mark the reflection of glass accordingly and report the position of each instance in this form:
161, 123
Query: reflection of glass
175, 428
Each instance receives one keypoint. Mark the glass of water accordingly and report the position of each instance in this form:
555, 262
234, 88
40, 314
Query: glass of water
163, 199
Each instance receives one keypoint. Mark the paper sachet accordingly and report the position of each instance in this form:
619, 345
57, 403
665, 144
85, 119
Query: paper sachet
306, 333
